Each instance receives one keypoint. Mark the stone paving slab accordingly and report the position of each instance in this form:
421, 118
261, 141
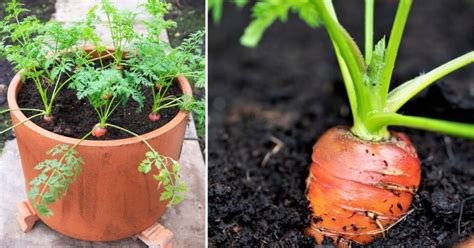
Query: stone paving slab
104, 33
186, 221
191, 133
76, 10
71, 11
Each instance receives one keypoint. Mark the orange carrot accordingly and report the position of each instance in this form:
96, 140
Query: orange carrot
154, 117
362, 179
48, 118
99, 131
358, 189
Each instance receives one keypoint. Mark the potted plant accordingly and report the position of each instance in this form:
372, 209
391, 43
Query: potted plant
362, 178
95, 168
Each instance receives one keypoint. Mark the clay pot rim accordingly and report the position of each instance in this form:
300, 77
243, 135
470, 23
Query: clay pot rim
15, 86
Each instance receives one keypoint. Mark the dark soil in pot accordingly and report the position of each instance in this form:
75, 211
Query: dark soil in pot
290, 89
75, 118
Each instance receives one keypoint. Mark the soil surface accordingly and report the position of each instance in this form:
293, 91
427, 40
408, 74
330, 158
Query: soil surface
75, 118
42, 9
290, 89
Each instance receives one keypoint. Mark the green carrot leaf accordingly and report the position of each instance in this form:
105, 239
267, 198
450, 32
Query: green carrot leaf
377, 62
54, 178
266, 12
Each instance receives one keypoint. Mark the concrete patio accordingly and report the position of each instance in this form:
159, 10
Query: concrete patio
186, 221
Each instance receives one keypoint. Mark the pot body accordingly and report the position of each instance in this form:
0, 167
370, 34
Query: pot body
111, 199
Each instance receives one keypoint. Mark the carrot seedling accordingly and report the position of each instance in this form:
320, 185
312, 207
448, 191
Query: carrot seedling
122, 30
43, 53
155, 63
362, 178
106, 90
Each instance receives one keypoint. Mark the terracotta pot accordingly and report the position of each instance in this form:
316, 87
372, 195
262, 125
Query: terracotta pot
110, 200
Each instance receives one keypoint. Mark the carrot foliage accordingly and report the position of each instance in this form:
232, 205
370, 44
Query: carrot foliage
367, 76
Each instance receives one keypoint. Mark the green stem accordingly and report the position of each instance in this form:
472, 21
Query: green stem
29, 118
161, 95
403, 93
369, 30
132, 133
103, 57
41, 91
168, 85
98, 110
21, 109
60, 162
393, 45
50, 104
165, 106
113, 109
173, 101
350, 60
98, 113
22, 34
56, 92
109, 105
380, 120
170, 98
349, 50
112, 34
349, 84
147, 144
189, 73
156, 100
76, 144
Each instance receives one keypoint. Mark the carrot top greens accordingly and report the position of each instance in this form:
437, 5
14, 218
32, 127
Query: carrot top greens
366, 77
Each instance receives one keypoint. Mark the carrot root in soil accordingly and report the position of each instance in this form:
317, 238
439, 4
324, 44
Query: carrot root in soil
48, 118
362, 179
99, 131
154, 117
367, 186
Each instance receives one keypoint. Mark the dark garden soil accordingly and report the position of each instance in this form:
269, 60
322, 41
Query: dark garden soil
43, 9
190, 17
75, 118
290, 89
